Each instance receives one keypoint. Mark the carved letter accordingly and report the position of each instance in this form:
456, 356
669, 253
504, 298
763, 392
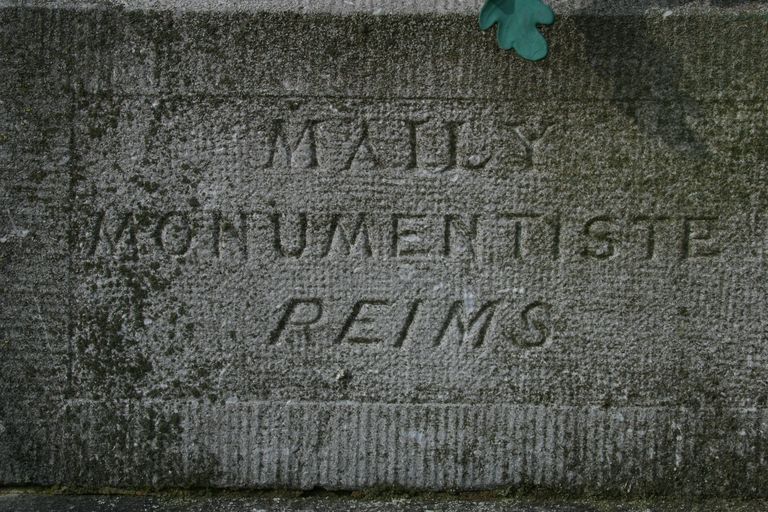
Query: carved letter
408, 236
650, 233
358, 316
358, 237
698, 229
408, 322
174, 233
362, 143
301, 313
536, 324
124, 232
601, 229
301, 242
557, 227
453, 143
279, 136
529, 144
222, 227
519, 227
413, 158
456, 316
451, 224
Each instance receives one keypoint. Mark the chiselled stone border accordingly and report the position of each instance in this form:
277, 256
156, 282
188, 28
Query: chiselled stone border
349, 445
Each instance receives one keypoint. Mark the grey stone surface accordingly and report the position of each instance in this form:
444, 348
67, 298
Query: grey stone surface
402, 7
234, 503
250, 248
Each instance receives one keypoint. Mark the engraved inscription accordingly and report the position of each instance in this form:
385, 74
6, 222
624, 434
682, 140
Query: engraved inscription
501, 239
387, 251
347, 135
375, 321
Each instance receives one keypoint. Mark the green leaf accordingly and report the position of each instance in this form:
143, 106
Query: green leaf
518, 20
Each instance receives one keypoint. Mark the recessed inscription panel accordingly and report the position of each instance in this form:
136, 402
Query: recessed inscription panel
399, 251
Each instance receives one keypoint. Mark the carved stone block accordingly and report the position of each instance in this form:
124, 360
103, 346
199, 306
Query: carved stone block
292, 245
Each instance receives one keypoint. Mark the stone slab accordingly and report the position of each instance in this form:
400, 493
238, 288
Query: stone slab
259, 248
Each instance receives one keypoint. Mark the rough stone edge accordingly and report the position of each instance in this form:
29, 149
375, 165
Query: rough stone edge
400, 7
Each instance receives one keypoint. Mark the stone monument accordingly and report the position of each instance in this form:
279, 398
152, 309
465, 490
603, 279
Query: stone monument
353, 244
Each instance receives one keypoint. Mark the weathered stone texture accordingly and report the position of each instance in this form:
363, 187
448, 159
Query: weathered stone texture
270, 249
480, 502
